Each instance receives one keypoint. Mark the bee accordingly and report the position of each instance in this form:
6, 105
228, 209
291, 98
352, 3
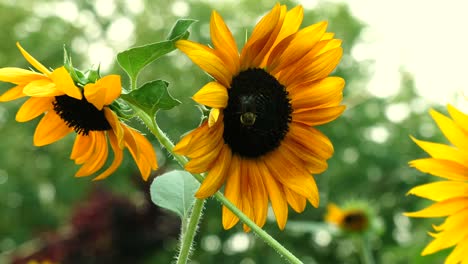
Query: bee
247, 110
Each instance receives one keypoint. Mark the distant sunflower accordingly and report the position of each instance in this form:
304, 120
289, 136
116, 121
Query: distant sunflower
258, 138
450, 197
348, 219
84, 110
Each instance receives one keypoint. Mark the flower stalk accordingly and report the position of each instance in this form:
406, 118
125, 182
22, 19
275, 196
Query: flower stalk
189, 233
365, 251
150, 122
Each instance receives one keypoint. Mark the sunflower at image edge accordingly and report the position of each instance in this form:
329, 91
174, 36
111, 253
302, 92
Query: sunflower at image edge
85, 110
450, 197
259, 138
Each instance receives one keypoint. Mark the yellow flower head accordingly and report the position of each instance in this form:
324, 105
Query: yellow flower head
84, 110
350, 219
450, 196
259, 138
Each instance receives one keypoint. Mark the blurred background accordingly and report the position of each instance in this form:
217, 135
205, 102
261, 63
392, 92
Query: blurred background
398, 62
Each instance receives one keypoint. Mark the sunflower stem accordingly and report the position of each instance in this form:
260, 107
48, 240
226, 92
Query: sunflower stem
366, 254
190, 230
150, 122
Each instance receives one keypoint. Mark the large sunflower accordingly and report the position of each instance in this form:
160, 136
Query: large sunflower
259, 138
450, 197
85, 110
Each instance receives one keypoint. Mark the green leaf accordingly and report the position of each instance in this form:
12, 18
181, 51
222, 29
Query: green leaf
151, 97
135, 59
180, 29
175, 191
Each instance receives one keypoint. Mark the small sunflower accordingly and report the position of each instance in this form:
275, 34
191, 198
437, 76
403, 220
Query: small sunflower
450, 197
85, 110
348, 219
259, 138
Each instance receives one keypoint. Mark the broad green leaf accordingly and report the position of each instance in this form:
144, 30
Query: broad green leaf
175, 191
151, 97
135, 59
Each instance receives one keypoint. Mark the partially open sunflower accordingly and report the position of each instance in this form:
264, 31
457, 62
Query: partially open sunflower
259, 138
83, 109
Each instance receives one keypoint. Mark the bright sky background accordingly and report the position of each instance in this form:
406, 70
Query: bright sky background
426, 38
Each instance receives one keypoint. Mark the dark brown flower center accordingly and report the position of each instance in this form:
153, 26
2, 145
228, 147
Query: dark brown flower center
80, 115
258, 113
355, 221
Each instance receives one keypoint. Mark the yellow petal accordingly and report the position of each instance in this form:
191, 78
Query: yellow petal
41, 88
312, 161
98, 158
146, 158
449, 237
12, 94
104, 91
302, 43
224, 42
232, 191
459, 117
217, 175
319, 116
441, 168
190, 140
82, 148
441, 190
118, 157
451, 130
259, 193
458, 255
334, 214
114, 122
441, 151
207, 59
291, 23
205, 141
33, 107
247, 200
297, 202
36, 64
205, 162
130, 140
276, 195
311, 139
317, 68
309, 95
65, 84
213, 95
261, 34
452, 221
296, 177
18, 75
213, 117
443, 208
50, 129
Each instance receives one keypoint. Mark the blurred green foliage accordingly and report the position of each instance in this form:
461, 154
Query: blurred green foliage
372, 148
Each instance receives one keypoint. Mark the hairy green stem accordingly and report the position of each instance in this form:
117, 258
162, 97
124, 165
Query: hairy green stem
150, 122
191, 229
